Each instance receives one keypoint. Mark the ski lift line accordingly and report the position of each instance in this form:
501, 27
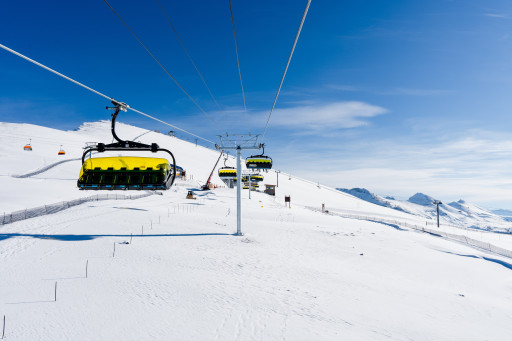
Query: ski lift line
238, 63
99, 93
159, 63
53, 71
188, 55
287, 65
170, 125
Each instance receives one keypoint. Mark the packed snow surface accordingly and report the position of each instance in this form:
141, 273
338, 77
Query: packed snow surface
167, 268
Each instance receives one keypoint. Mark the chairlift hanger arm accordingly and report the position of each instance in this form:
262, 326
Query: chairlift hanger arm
122, 145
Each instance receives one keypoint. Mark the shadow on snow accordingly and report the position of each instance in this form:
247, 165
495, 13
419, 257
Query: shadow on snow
83, 237
492, 260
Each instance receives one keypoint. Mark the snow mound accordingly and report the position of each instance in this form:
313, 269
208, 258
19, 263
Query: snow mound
366, 195
421, 199
459, 205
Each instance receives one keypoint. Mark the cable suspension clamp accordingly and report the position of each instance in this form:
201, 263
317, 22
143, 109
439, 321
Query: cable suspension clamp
118, 106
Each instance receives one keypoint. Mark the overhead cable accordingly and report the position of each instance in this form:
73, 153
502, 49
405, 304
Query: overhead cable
159, 63
287, 65
238, 63
98, 93
188, 54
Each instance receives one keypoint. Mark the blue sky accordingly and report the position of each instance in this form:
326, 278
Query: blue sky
395, 96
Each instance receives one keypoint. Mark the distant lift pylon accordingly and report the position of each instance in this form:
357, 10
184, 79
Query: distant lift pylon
126, 172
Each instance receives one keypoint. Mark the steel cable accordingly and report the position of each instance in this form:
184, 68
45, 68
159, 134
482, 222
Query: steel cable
98, 93
188, 55
238, 63
159, 63
287, 65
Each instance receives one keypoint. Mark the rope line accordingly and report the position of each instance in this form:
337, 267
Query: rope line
99, 93
159, 63
238, 63
55, 72
287, 65
188, 55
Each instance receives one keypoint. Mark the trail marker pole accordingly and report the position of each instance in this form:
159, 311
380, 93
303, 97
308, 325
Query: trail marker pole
86, 266
114, 253
3, 329
55, 291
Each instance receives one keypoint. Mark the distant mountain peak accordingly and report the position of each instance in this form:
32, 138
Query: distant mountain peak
364, 194
421, 199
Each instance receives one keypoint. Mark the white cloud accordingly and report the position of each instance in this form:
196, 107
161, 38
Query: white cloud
303, 118
473, 165
414, 92
329, 117
496, 15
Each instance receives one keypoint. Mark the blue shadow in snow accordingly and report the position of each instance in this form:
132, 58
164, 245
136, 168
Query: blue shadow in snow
492, 260
84, 237
396, 227
130, 208
433, 234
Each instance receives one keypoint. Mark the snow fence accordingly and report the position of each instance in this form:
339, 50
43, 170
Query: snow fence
12, 217
456, 237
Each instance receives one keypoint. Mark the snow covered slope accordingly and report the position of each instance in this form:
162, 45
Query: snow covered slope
167, 268
460, 213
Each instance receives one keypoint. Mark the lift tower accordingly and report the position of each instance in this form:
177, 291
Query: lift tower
238, 143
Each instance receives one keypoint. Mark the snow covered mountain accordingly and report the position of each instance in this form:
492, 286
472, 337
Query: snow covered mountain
504, 213
165, 267
459, 213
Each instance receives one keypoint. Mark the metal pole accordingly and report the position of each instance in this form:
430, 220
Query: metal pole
249, 175
437, 215
437, 203
278, 178
238, 191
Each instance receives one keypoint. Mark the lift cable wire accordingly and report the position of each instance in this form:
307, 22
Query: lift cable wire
188, 55
287, 65
163, 67
99, 93
238, 63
